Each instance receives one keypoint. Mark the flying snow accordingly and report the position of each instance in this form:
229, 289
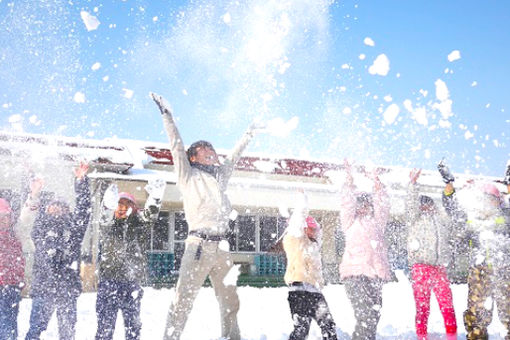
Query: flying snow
96, 66
391, 113
381, 66
369, 42
127, 93
277, 127
90, 21
454, 55
79, 97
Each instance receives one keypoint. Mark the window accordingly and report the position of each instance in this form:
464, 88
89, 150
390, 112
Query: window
242, 236
180, 235
271, 229
160, 232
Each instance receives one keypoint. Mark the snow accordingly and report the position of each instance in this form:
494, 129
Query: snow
79, 97
381, 66
454, 55
264, 314
369, 42
391, 113
90, 21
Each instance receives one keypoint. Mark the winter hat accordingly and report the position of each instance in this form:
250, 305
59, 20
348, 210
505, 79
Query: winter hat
426, 200
491, 189
127, 196
5, 207
312, 224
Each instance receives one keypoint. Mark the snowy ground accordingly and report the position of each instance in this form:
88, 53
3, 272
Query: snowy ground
264, 315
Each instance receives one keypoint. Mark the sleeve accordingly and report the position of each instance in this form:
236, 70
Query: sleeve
228, 165
82, 209
298, 218
180, 158
411, 203
151, 209
381, 206
347, 206
24, 225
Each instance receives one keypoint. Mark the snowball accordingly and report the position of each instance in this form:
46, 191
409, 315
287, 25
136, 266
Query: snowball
388, 98
454, 55
90, 21
79, 97
362, 56
468, 135
127, 93
381, 66
231, 277
227, 18
233, 215
369, 42
347, 111
34, 121
391, 113
96, 66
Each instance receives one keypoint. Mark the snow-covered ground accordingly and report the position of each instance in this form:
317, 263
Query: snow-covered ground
264, 315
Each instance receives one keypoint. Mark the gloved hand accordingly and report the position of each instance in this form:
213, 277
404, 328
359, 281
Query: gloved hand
507, 174
156, 188
163, 105
445, 172
111, 197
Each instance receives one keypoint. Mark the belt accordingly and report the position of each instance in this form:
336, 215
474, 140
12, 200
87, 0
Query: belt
206, 237
296, 284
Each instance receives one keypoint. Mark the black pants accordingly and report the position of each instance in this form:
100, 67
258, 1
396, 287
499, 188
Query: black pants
365, 295
305, 306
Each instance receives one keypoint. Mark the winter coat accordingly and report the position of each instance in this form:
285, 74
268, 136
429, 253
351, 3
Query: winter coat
123, 244
56, 269
206, 205
304, 262
486, 227
365, 250
428, 235
15, 245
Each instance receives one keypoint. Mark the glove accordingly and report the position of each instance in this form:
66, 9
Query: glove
156, 188
445, 172
507, 175
111, 197
162, 104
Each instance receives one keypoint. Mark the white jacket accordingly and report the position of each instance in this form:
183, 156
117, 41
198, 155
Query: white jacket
206, 205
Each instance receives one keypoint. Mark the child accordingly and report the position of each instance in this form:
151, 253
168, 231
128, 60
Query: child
364, 267
302, 245
429, 253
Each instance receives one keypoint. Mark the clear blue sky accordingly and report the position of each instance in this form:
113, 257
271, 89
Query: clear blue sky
222, 64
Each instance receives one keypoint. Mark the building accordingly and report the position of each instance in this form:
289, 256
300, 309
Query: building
261, 190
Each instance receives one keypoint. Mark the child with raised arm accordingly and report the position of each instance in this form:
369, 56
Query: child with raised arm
302, 244
202, 180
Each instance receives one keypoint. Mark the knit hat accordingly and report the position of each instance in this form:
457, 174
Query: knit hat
312, 224
491, 189
127, 196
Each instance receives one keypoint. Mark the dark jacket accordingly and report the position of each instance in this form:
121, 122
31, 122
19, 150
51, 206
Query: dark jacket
56, 269
486, 231
123, 244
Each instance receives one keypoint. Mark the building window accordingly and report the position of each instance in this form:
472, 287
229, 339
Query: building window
160, 232
271, 229
242, 234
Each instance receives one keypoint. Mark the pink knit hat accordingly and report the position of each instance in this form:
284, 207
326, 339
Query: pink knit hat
491, 189
127, 196
312, 224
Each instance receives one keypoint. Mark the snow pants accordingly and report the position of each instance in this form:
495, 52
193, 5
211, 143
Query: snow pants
426, 279
485, 286
202, 258
305, 306
10, 297
113, 296
42, 310
365, 295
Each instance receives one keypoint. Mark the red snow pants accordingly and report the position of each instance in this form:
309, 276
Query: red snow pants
427, 278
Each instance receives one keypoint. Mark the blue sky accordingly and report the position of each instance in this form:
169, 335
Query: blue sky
223, 64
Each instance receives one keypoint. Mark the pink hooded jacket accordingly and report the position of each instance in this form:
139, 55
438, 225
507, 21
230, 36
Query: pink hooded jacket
365, 249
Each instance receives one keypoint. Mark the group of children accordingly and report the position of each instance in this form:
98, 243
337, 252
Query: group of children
53, 234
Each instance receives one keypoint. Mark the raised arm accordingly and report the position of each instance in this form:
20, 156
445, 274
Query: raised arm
24, 225
82, 209
412, 204
180, 158
156, 189
381, 201
347, 199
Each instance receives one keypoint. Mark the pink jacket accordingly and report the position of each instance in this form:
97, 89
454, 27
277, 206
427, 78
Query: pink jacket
365, 248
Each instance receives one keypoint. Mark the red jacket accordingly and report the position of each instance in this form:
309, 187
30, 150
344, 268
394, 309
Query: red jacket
12, 260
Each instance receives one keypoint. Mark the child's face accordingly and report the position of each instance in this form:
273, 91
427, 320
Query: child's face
124, 208
205, 156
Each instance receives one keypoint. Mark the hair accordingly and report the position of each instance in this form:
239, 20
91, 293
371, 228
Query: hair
426, 200
364, 198
192, 150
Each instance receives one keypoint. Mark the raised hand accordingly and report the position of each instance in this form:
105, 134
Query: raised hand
111, 197
156, 188
445, 172
81, 171
414, 175
36, 185
164, 107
